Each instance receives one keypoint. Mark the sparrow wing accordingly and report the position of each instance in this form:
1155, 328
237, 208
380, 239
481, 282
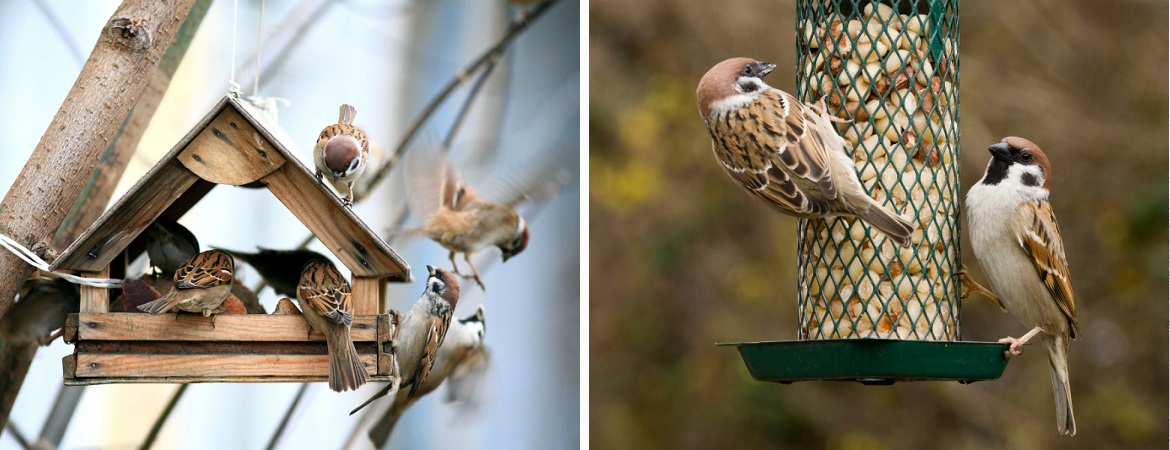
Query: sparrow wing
431, 181
329, 295
1041, 241
466, 382
205, 270
435, 335
761, 147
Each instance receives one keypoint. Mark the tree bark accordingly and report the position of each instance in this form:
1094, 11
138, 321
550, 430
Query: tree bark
100, 185
125, 57
121, 64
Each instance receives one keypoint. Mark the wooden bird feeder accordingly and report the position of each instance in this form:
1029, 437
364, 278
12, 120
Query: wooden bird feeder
235, 144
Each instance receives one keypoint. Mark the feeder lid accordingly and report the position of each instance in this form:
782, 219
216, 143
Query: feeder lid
872, 361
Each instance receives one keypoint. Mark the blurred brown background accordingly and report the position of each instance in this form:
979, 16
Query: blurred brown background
681, 258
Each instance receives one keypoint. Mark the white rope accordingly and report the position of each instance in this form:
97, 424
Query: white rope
259, 45
233, 87
33, 260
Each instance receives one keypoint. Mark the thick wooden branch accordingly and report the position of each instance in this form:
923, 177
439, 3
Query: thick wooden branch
127, 53
99, 187
122, 62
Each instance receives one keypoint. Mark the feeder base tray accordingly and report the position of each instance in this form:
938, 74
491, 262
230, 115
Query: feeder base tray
872, 361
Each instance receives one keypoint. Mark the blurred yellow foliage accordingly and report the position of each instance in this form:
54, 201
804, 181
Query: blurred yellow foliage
623, 189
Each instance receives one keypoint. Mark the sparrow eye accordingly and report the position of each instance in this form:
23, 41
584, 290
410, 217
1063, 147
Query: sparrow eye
1026, 157
747, 70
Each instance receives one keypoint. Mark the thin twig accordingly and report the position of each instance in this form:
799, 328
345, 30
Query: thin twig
520, 24
471, 96
154, 429
287, 416
400, 216
61, 414
17, 435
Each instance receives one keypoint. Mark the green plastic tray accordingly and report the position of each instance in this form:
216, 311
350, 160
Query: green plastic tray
872, 361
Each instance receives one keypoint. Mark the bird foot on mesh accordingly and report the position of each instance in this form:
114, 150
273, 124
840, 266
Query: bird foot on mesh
824, 110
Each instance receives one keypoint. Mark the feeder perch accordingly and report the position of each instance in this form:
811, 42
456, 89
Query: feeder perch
872, 311
235, 144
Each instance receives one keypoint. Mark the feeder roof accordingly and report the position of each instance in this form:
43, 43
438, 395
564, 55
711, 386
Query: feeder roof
234, 144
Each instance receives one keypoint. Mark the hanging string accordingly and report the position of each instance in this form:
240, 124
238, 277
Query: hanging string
233, 87
259, 46
33, 260
267, 105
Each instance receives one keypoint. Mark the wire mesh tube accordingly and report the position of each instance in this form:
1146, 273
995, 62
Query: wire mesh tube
891, 70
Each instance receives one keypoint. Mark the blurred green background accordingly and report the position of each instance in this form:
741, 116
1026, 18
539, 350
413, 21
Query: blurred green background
681, 258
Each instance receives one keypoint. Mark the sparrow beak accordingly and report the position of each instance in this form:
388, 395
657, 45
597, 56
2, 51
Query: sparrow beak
430, 270
336, 175
765, 68
1001, 152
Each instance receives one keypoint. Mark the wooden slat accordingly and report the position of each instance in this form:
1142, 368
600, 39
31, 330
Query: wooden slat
194, 327
342, 232
385, 356
118, 226
94, 299
145, 366
230, 151
209, 379
366, 293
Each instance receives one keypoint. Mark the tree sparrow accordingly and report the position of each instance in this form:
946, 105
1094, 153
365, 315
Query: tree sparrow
456, 217
169, 244
1017, 242
422, 330
281, 269
342, 151
324, 297
785, 152
462, 362
200, 286
42, 308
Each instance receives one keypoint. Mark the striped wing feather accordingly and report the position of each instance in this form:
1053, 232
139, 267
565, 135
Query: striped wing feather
767, 143
328, 293
1042, 242
205, 270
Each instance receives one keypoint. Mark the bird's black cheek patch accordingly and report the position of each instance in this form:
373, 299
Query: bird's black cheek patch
996, 172
1030, 180
747, 86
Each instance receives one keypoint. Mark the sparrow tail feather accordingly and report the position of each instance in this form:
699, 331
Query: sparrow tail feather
1057, 358
895, 227
346, 371
380, 394
160, 306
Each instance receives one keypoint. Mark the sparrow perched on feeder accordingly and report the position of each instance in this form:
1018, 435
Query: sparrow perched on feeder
42, 307
456, 217
785, 152
324, 297
200, 286
342, 151
422, 330
281, 269
462, 362
1017, 242
169, 244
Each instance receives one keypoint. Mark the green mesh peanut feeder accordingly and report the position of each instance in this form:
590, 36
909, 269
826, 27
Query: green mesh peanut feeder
894, 76
870, 310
